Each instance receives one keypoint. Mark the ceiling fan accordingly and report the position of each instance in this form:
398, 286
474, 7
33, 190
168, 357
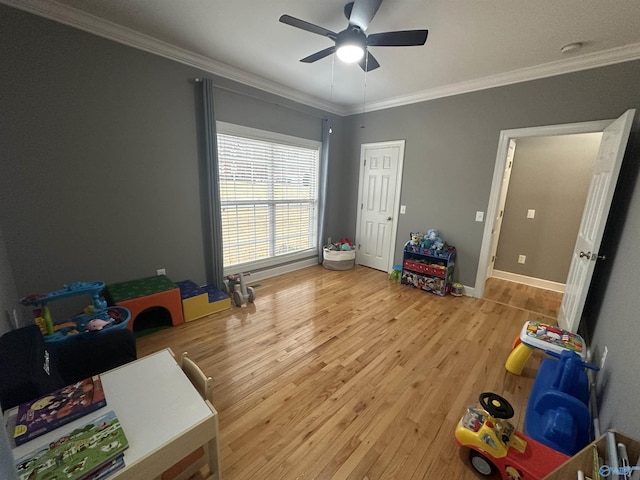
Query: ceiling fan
352, 43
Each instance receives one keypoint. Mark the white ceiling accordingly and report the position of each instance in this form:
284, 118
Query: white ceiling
472, 44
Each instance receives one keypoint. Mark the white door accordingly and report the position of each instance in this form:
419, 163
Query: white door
378, 199
603, 183
497, 225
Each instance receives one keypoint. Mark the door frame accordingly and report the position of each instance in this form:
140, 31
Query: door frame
396, 200
498, 172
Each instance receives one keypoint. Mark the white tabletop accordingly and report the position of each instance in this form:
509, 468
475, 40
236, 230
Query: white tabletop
162, 414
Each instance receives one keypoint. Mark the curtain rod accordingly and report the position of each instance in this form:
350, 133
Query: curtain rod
255, 97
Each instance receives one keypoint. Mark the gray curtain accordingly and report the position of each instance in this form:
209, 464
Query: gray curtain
210, 187
322, 185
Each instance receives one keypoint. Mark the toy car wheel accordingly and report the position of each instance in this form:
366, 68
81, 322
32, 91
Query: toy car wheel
252, 294
237, 299
481, 464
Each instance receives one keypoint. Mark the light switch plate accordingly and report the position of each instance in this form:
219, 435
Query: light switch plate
479, 216
531, 213
403, 209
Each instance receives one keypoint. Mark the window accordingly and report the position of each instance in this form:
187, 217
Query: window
268, 194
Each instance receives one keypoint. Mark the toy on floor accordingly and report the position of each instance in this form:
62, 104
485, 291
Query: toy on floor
495, 445
396, 273
558, 409
237, 289
543, 336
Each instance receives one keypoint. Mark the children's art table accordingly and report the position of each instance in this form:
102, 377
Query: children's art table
544, 337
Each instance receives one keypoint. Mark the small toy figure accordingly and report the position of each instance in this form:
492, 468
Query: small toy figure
98, 324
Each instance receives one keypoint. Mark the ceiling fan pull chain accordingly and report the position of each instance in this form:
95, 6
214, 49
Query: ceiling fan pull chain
364, 97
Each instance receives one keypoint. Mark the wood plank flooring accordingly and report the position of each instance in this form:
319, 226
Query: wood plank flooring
536, 300
347, 375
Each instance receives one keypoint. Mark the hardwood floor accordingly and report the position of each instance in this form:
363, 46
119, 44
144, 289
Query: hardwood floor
347, 375
536, 300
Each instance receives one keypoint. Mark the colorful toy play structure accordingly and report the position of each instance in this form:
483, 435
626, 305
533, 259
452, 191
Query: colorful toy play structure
97, 317
495, 445
146, 293
198, 302
544, 337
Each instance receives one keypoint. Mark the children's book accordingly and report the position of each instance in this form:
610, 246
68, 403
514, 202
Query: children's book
58, 408
87, 452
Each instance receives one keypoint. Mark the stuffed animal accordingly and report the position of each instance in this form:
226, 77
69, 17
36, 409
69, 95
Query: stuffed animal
98, 324
415, 238
436, 242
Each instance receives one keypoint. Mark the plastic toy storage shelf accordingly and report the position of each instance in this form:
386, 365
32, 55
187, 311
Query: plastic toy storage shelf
428, 270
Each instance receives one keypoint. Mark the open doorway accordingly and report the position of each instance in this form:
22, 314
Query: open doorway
604, 175
540, 215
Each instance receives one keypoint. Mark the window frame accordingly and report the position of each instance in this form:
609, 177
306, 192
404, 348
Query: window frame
231, 129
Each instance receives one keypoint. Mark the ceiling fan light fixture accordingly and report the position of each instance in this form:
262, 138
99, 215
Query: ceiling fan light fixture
350, 53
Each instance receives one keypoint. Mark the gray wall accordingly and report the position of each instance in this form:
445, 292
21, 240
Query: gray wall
98, 172
8, 293
550, 175
100, 156
451, 146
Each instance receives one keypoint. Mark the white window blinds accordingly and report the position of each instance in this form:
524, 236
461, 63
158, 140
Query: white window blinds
268, 193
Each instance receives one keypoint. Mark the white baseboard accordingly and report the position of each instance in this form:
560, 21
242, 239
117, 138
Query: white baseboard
531, 281
282, 269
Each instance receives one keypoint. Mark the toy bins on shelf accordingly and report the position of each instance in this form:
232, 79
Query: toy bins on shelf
339, 256
428, 269
97, 317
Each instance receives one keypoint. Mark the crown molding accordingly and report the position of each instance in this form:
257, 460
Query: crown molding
626, 53
106, 29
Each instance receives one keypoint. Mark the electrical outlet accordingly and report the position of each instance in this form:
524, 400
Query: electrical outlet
604, 357
522, 258
161, 271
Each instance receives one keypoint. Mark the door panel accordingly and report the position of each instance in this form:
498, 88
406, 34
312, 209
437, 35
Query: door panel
603, 182
377, 208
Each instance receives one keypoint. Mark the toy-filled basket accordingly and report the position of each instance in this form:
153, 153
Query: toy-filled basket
338, 259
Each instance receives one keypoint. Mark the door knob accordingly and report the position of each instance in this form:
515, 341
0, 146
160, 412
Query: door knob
585, 255
389, 219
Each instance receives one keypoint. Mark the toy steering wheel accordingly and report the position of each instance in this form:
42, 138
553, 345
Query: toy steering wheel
496, 405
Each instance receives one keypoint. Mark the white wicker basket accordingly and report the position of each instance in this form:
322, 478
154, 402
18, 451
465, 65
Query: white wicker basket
338, 259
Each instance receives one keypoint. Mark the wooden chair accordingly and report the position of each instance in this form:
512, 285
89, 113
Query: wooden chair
207, 454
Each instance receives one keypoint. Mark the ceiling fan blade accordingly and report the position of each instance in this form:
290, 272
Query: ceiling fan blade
318, 55
363, 12
405, 38
368, 62
309, 27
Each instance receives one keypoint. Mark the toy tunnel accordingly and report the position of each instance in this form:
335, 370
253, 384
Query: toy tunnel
151, 320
